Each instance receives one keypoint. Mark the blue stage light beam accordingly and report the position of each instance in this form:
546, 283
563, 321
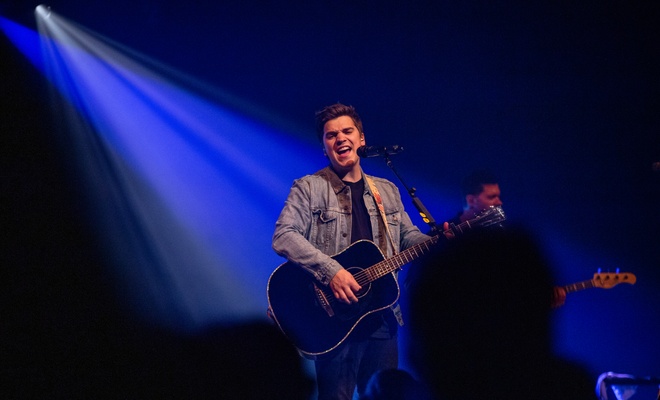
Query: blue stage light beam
184, 191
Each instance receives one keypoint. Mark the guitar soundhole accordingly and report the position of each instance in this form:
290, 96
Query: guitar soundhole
366, 287
363, 292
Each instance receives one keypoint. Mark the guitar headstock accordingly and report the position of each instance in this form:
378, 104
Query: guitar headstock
607, 280
488, 217
493, 215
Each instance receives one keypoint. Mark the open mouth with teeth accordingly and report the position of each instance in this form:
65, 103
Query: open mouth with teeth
343, 150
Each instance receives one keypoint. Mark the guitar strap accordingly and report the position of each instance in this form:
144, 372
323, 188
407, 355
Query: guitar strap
396, 309
381, 209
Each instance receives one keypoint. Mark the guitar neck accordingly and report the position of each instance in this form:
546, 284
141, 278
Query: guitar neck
574, 287
397, 261
492, 216
605, 280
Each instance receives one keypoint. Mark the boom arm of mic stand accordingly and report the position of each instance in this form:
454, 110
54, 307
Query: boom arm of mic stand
423, 212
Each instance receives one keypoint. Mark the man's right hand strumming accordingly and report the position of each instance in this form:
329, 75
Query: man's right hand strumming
344, 286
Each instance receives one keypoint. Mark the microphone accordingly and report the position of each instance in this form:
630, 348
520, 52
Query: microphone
377, 151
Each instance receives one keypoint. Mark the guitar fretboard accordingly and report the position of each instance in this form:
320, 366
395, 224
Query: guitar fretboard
492, 216
397, 261
579, 286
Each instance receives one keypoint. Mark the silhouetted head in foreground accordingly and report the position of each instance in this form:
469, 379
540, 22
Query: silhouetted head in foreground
480, 322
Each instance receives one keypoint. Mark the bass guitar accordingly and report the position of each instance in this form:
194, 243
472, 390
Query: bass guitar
603, 280
315, 321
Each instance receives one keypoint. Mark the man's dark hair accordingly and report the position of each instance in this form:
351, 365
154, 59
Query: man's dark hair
335, 111
474, 183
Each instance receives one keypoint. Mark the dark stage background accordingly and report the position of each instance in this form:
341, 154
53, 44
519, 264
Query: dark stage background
559, 99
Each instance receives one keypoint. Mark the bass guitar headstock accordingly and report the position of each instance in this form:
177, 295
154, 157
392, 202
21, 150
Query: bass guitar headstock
607, 280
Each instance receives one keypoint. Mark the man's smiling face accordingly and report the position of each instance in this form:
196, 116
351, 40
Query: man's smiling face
341, 139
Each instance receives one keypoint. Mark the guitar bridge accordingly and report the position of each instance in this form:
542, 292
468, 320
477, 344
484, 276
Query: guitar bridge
323, 301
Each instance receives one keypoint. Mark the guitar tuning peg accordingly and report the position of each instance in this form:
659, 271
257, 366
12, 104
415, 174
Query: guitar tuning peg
599, 270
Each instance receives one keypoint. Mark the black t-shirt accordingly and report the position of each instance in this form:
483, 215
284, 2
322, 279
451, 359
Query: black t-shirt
360, 221
382, 324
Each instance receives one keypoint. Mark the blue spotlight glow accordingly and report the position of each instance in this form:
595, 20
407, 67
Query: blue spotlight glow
184, 192
25, 39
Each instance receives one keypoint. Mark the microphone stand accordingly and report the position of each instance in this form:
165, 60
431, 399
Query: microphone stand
423, 212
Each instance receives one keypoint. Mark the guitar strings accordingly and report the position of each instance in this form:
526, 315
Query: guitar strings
492, 216
365, 276
384, 267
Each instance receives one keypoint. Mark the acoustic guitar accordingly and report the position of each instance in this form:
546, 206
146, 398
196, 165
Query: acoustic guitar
315, 321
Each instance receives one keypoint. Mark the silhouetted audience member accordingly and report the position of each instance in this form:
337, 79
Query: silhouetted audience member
394, 384
247, 361
479, 322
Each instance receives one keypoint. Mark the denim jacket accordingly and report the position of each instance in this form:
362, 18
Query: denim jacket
315, 222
